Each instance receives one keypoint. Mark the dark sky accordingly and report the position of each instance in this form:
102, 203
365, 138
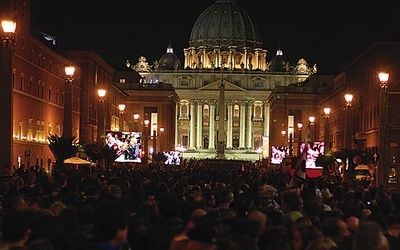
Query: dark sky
328, 33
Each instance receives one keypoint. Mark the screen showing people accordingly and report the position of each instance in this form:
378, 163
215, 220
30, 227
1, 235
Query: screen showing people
314, 150
172, 157
126, 145
278, 153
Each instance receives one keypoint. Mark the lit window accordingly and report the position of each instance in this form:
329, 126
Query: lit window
122, 80
206, 111
236, 111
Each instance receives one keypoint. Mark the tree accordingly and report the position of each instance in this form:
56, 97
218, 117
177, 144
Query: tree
63, 147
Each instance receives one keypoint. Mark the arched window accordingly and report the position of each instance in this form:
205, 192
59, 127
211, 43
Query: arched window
206, 111
236, 111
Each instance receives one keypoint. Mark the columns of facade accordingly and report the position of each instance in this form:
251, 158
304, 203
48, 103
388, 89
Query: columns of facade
178, 114
199, 132
242, 136
266, 145
211, 144
257, 62
246, 58
186, 54
194, 61
249, 127
217, 55
192, 131
203, 57
229, 126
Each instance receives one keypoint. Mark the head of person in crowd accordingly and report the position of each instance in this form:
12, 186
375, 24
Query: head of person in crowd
322, 243
302, 236
203, 237
110, 223
291, 205
16, 229
353, 223
335, 228
370, 237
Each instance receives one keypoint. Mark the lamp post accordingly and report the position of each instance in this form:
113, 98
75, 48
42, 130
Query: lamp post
121, 108
327, 113
162, 129
259, 152
6, 88
348, 99
67, 126
383, 79
101, 123
299, 127
135, 122
290, 141
154, 139
311, 121
145, 140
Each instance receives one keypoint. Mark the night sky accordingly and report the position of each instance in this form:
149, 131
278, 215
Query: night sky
328, 33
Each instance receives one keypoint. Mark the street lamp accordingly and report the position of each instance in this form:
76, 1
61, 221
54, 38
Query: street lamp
154, 139
299, 127
135, 121
348, 99
145, 139
162, 129
101, 123
290, 141
67, 126
259, 152
311, 121
6, 88
327, 113
383, 79
121, 108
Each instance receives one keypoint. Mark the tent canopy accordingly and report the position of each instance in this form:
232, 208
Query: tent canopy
76, 161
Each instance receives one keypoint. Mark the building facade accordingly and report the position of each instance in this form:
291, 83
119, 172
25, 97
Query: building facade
371, 123
224, 49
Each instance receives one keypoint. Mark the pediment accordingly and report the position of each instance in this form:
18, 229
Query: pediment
215, 86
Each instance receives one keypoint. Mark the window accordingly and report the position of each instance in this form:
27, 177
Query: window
49, 94
30, 133
206, 111
122, 80
184, 83
258, 84
20, 130
184, 111
58, 96
49, 125
21, 82
236, 111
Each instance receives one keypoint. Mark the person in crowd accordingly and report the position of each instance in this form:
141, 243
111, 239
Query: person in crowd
15, 230
370, 237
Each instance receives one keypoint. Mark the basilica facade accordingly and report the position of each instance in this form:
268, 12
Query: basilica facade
225, 48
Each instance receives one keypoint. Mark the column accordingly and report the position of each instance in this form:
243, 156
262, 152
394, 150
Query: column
211, 144
266, 130
177, 135
199, 138
192, 132
242, 135
229, 126
249, 127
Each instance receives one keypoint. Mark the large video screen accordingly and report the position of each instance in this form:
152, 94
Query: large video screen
172, 157
278, 154
314, 150
125, 145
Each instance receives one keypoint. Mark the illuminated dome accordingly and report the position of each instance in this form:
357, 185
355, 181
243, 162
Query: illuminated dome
278, 62
169, 61
225, 24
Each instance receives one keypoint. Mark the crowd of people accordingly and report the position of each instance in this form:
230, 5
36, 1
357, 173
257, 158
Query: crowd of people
200, 204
